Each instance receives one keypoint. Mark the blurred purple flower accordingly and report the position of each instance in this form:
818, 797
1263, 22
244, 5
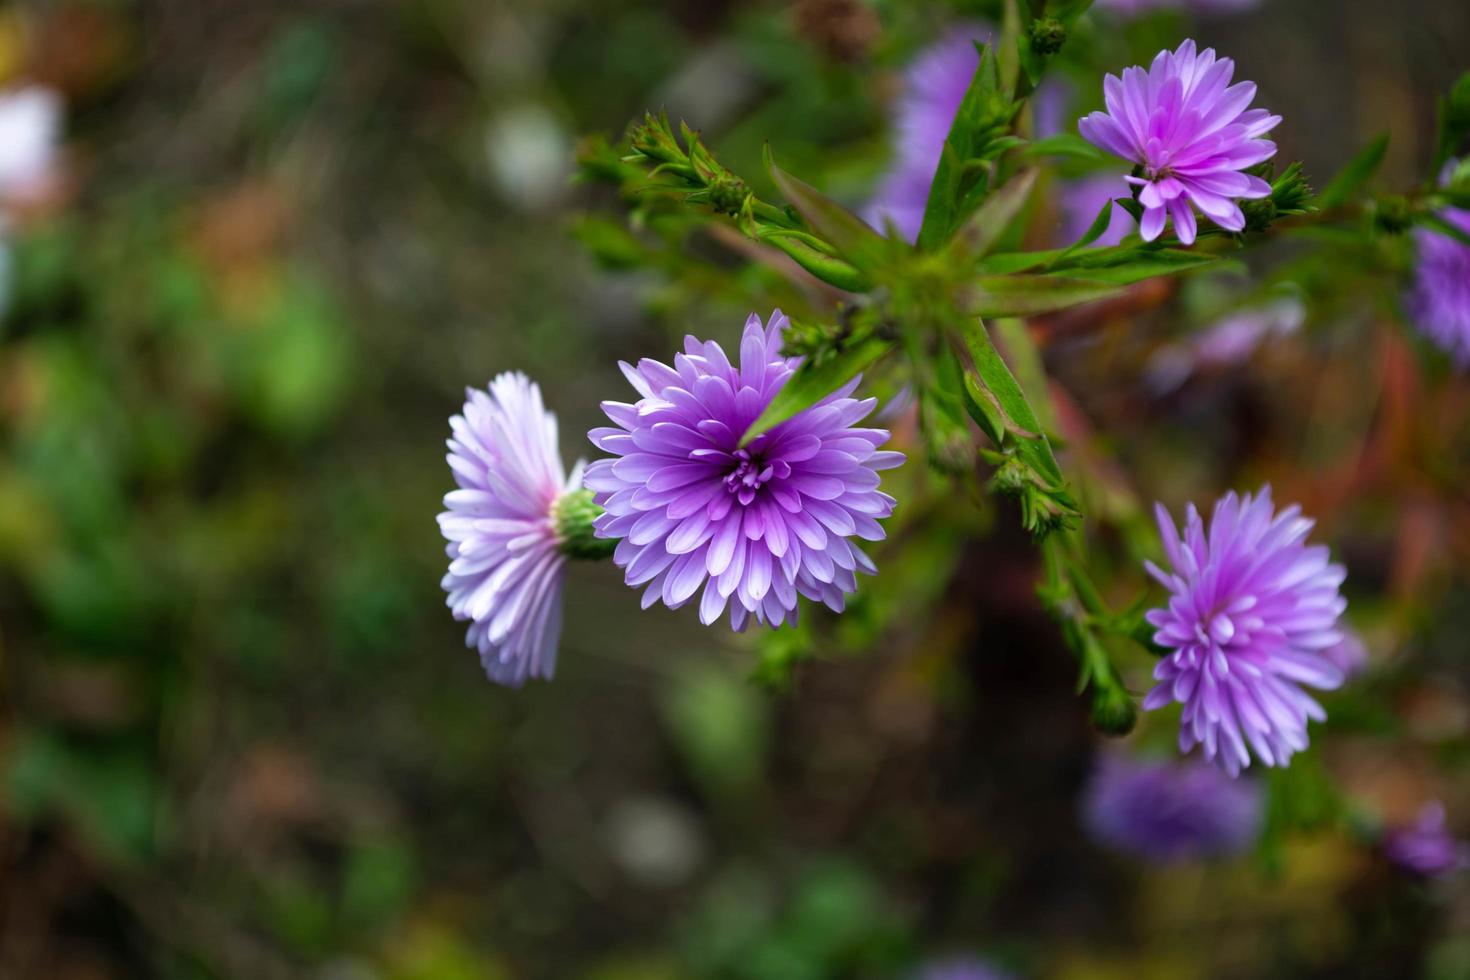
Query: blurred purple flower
1440, 301
1170, 810
1083, 198
760, 523
1191, 135
961, 968
505, 571
1234, 338
1251, 610
1426, 847
933, 88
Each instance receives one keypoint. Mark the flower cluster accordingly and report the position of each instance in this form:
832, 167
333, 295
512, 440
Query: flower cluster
1251, 611
1170, 811
1190, 134
752, 524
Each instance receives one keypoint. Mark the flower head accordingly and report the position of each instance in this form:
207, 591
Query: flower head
1188, 130
753, 525
506, 561
1425, 847
1170, 811
1251, 610
1440, 301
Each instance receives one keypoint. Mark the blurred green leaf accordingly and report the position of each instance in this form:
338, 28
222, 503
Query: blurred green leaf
1355, 175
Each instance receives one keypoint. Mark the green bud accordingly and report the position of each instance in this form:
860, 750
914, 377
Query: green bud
1113, 710
574, 514
1047, 35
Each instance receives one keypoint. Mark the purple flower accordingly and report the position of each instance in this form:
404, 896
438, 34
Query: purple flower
1251, 609
758, 524
961, 968
1083, 198
933, 88
1170, 811
1190, 134
1440, 301
1425, 847
505, 571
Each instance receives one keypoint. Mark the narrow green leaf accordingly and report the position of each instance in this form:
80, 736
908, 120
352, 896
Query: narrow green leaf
859, 244
989, 380
992, 296
1062, 145
811, 383
959, 186
1351, 178
1454, 121
828, 268
1026, 364
984, 228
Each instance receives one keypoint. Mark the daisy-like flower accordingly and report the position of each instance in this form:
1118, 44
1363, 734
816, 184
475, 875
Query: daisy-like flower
1426, 848
505, 528
1170, 811
1251, 610
1190, 133
753, 526
1440, 302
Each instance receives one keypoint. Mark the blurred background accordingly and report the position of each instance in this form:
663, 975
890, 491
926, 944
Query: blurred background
240, 735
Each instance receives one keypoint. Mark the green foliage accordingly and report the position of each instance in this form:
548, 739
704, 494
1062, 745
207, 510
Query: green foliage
979, 134
1353, 177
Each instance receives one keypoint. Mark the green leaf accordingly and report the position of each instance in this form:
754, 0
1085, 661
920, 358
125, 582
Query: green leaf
1351, 178
812, 383
961, 179
996, 392
1062, 145
985, 226
992, 296
828, 268
859, 244
1454, 121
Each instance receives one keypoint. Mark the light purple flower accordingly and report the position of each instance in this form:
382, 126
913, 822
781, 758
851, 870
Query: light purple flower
1440, 301
1170, 810
506, 566
1190, 134
961, 968
1251, 609
1083, 198
1425, 847
753, 526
